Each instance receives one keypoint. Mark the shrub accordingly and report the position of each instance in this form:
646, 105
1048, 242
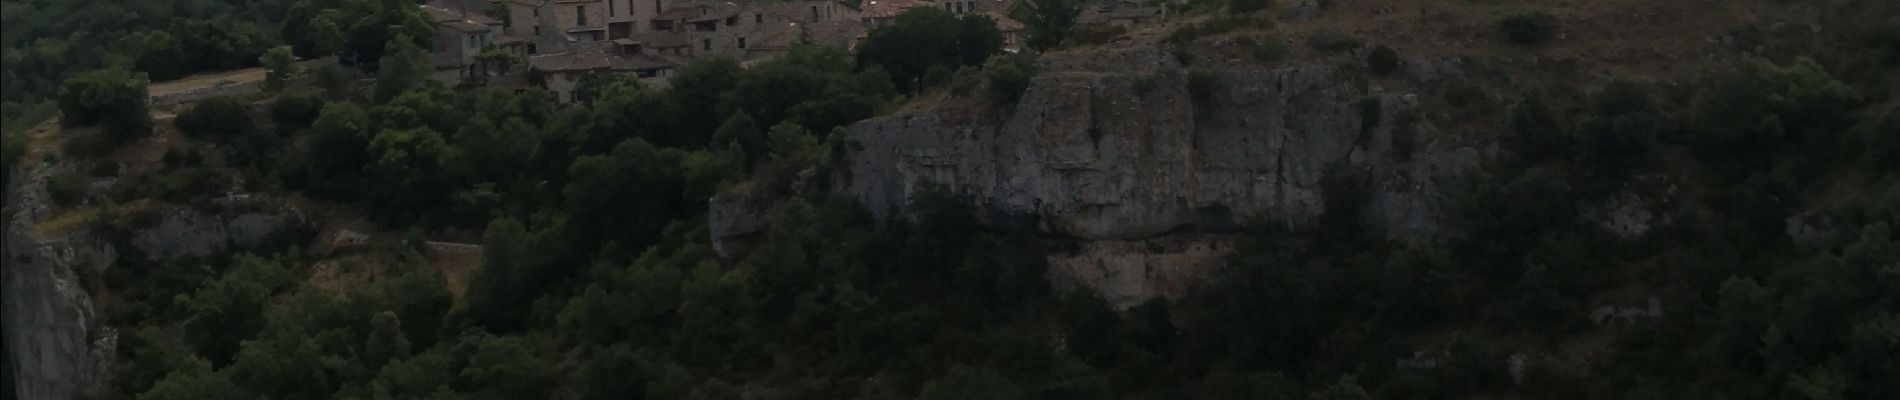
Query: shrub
66, 189
1008, 76
112, 98
965, 81
1529, 29
1770, 107
936, 76
219, 119
297, 108
1095, 34
1269, 49
1383, 60
1332, 42
12, 148
1246, 6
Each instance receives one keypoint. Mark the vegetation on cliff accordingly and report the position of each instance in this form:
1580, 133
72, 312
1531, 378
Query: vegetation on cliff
597, 278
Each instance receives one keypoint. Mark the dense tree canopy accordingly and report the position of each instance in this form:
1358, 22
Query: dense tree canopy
597, 275
927, 37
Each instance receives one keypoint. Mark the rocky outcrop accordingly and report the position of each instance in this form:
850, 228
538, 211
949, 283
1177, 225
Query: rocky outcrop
182, 232
1154, 152
52, 348
735, 221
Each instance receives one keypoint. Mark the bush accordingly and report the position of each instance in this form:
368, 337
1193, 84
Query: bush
297, 108
936, 76
1333, 42
965, 81
1009, 76
1247, 6
1269, 49
12, 147
66, 189
1770, 107
1529, 29
1383, 60
112, 98
1094, 34
218, 119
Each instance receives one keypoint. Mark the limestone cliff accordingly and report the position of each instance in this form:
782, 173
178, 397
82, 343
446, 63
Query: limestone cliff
52, 349
1147, 163
55, 347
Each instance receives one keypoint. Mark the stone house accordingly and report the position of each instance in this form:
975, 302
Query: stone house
582, 20
561, 73
460, 36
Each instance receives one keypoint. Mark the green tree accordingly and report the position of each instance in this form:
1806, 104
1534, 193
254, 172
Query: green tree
403, 67
227, 311
338, 148
193, 380
972, 383
741, 131
218, 119
506, 368
1009, 76
111, 98
406, 173
498, 297
1050, 21
926, 37
420, 377
279, 66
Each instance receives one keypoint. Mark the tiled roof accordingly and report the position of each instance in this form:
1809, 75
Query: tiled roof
601, 55
439, 14
879, 9
715, 11
1005, 23
836, 34
995, 6
661, 40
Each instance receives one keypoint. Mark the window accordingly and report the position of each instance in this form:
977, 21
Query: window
656, 6
611, 10
758, 18
741, 43
537, 30
531, 48
536, 12
814, 13
707, 44
580, 15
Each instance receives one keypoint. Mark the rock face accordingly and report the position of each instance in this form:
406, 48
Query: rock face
185, 232
46, 314
54, 347
1118, 158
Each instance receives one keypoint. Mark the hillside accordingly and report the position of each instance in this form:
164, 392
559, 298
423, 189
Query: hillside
1335, 199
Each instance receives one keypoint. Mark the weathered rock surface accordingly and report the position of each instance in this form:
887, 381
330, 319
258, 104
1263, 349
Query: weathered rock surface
184, 232
734, 221
1128, 157
45, 312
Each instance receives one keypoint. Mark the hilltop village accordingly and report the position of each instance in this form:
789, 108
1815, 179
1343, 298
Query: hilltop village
552, 43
